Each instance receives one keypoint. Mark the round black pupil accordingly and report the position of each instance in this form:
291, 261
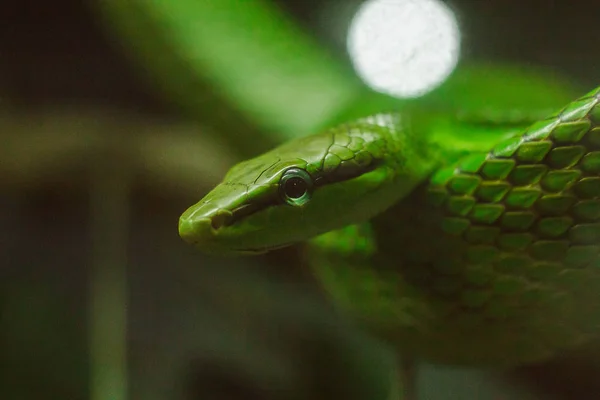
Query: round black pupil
295, 187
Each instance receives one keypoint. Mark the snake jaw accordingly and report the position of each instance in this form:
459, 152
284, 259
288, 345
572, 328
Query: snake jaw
203, 231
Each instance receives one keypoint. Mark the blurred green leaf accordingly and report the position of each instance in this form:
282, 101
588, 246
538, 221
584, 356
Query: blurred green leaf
253, 55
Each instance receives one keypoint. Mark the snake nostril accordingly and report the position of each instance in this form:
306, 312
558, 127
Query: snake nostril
219, 220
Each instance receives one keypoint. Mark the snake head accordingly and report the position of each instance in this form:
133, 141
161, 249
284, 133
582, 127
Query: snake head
299, 190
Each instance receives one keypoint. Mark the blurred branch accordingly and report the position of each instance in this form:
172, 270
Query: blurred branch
39, 148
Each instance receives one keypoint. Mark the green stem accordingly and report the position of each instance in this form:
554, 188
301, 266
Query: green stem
109, 208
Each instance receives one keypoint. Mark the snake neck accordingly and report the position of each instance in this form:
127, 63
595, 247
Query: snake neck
412, 151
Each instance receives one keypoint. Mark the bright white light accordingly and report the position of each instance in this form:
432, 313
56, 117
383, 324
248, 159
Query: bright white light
404, 47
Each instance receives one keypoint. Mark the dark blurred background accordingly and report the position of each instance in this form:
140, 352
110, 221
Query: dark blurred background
64, 77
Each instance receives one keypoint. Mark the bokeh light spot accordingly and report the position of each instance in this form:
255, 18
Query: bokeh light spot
404, 48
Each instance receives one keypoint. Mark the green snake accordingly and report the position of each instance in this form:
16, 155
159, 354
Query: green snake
473, 250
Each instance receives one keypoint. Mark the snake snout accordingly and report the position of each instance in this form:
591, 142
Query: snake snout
195, 230
201, 228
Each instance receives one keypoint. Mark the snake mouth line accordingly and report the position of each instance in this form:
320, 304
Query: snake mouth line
229, 218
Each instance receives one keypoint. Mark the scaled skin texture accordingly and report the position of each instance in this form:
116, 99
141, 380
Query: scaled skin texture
488, 259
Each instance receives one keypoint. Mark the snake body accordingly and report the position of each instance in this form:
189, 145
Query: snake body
478, 251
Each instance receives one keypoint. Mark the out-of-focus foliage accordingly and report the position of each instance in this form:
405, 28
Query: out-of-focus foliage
265, 72
249, 54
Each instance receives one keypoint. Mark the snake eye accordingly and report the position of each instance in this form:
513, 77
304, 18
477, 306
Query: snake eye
296, 186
